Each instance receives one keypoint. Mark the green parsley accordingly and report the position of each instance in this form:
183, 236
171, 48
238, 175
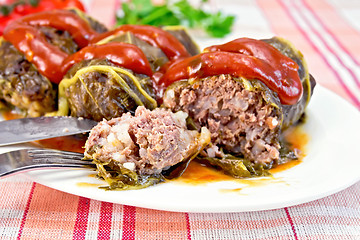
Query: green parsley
143, 12
7, 9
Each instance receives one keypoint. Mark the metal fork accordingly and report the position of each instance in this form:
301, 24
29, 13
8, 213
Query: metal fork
28, 159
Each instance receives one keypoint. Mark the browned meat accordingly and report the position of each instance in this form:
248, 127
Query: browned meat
146, 143
22, 85
240, 120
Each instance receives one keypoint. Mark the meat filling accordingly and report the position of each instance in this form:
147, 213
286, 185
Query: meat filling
146, 143
239, 118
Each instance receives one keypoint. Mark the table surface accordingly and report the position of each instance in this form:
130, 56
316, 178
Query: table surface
328, 34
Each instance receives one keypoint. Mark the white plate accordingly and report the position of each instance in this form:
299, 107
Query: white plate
332, 164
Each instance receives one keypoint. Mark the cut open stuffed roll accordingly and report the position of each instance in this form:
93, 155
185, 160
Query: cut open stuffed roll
246, 93
133, 152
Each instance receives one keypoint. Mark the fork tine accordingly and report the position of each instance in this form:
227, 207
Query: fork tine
28, 159
58, 155
55, 156
60, 161
47, 152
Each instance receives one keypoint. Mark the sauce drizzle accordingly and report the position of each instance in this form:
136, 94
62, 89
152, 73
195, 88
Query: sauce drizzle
64, 20
27, 38
46, 57
157, 37
123, 54
54, 63
244, 57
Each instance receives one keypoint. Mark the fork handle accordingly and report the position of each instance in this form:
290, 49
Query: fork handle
6, 173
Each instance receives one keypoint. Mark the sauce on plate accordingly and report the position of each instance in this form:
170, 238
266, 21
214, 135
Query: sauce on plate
74, 143
85, 184
196, 173
10, 115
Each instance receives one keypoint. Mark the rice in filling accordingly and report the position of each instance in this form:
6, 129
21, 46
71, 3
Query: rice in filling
146, 143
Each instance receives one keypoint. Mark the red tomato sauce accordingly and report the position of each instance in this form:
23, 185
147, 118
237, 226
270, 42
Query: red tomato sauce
157, 37
248, 58
122, 54
47, 58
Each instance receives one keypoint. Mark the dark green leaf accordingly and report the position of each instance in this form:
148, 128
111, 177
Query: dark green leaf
34, 3
5, 10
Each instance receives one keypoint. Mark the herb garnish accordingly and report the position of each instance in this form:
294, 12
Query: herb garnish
6, 10
143, 12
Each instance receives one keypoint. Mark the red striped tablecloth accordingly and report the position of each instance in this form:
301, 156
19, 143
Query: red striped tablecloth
328, 34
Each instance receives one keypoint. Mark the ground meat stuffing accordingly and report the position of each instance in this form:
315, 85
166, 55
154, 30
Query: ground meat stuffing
145, 143
240, 120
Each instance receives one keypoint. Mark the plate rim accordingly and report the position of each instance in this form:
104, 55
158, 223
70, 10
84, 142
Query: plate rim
221, 209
